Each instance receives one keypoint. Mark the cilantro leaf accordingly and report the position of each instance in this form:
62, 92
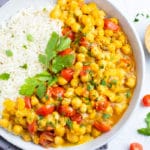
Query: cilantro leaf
103, 82
52, 81
144, 131
4, 76
41, 90
30, 38
61, 62
64, 43
9, 53
25, 66
43, 59
106, 116
90, 87
44, 76
69, 123
28, 88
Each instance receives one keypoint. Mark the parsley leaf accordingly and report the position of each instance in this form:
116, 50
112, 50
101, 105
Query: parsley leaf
30, 38
103, 82
146, 131
4, 76
69, 123
9, 53
25, 66
61, 62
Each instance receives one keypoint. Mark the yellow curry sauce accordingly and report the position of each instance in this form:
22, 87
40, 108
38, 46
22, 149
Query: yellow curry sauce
91, 95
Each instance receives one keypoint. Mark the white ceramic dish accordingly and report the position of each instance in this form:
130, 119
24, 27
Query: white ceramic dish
13, 6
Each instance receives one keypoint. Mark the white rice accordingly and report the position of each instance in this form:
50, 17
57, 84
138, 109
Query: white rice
28, 21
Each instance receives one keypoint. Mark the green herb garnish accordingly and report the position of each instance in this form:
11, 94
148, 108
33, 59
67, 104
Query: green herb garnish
106, 116
146, 131
30, 38
103, 82
69, 123
136, 20
4, 76
38, 83
25, 66
128, 94
24, 46
90, 87
9, 53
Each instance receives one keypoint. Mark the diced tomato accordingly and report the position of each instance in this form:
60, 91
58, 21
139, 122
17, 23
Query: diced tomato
108, 24
146, 100
65, 52
85, 70
67, 74
136, 146
27, 101
101, 126
45, 110
77, 117
56, 91
66, 110
69, 33
101, 105
46, 139
32, 128
84, 42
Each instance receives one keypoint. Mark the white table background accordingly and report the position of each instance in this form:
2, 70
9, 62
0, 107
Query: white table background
128, 134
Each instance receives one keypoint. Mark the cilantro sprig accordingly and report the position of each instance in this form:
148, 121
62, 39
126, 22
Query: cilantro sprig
4, 76
145, 131
37, 83
55, 45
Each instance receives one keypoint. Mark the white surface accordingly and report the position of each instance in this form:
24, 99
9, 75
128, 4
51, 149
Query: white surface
128, 134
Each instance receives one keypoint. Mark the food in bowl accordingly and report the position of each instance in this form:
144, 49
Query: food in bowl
85, 80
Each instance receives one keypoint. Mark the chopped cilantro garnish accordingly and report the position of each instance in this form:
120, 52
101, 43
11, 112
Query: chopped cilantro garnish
30, 38
9, 53
106, 116
25, 66
128, 94
49, 123
4, 76
90, 87
103, 82
69, 123
24, 46
46, 97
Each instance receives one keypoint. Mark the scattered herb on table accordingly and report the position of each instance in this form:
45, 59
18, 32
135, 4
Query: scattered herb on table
145, 131
139, 15
4, 76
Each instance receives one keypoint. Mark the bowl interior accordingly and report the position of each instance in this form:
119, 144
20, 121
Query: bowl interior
14, 5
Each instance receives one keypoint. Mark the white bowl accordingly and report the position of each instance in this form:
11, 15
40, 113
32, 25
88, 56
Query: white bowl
14, 5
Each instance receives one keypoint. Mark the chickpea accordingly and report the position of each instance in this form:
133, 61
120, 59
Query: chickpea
75, 27
85, 78
94, 67
82, 49
58, 140
112, 47
72, 138
131, 82
56, 12
26, 136
86, 9
78, 12
80, 57
76, 102
83, 108
82, 130
88, 128
118, 44
4, 123
74, 82
20, 104
62, 81
95, 132
71, 20
66, 101
93, 94
108, 33
34, 100
79, 91
75, 126
78, 66
69, 92
59, 130
126, 49
17, 129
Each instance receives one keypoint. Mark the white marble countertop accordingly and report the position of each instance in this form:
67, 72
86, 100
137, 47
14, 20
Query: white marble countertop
129, 134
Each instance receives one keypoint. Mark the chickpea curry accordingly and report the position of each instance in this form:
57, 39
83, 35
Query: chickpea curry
87, 85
